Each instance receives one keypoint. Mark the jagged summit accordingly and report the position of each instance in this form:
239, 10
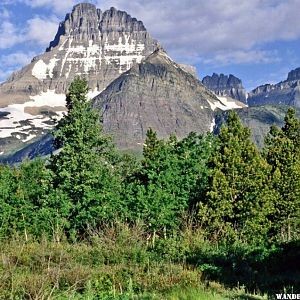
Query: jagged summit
91, 43
86, 22
158, 57
162, 62
226, 86
223, 81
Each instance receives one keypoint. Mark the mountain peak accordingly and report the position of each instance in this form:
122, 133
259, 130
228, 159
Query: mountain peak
86, 22
155, 93
286, 92
158, 54
226, 85
294, 75
91, 43
84, 6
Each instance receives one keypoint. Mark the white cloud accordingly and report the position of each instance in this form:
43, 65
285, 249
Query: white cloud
4, 13
16, 59
59, 6
9, 35
12, 62
194, 28
41, 30
242, 57
37, 30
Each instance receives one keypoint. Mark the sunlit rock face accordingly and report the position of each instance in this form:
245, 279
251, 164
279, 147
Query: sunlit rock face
286, 92
94, 44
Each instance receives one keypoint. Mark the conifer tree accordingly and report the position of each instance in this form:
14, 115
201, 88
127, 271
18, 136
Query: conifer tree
172, 172
85, 191
236, 201
282, 152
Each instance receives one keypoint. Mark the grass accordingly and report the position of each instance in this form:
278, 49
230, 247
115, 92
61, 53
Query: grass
119, 262
80, 271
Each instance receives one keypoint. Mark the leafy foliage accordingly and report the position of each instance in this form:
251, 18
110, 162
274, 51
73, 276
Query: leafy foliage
21, 197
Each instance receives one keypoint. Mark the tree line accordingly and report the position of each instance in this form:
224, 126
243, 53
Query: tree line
223, 184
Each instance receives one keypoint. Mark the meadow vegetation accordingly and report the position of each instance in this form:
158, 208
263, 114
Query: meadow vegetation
205, 217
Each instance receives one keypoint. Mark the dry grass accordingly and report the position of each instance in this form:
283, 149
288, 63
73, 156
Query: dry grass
117, 262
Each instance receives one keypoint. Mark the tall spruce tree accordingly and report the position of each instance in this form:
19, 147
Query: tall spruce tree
282, 152
84, 185
236, 202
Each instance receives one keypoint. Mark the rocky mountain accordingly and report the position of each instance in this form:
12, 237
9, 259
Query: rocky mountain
226, 86
42, 147
157, 93
258, 118
96, 44
135, 85
286, 92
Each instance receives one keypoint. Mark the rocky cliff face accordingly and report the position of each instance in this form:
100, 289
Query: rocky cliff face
156, 93
98, 45
226, 86
286, 92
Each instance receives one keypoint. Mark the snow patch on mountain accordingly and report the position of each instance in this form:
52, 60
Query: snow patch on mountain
17, 115
93, 94
49, 98
125, 53
87, 57
212, 125
226, 103
28, 138
41, 70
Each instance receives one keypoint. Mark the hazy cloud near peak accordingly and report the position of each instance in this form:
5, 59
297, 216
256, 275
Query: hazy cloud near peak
9, 35
42, 30
38, 30
14, 61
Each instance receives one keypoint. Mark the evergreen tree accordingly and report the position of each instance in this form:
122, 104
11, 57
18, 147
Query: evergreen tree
236, 202
170, 175
85, 186
282, 151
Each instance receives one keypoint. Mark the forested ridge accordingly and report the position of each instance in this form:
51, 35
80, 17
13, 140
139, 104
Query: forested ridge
194, 212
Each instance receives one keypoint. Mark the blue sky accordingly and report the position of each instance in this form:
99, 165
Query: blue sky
257, 41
